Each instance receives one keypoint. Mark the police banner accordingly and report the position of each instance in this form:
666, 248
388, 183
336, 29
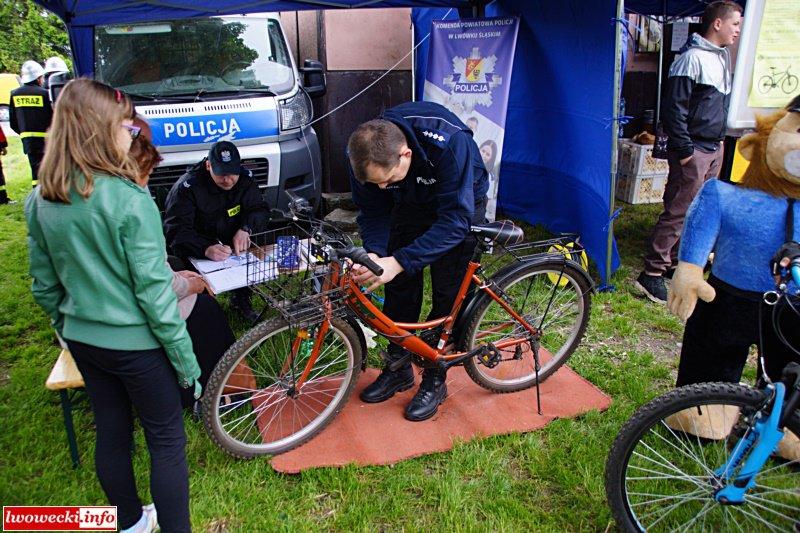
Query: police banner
469, 72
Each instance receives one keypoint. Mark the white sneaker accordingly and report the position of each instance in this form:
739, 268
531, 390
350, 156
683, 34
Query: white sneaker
147, 523
151, 517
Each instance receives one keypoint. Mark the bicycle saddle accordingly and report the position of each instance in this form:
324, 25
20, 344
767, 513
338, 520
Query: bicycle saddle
502, 232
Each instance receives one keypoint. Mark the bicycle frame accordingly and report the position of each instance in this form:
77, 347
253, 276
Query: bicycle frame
400, 333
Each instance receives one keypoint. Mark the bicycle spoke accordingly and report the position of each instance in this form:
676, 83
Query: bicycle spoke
668, 510
795, 463
708, 471
770, 510
666, 497
765, 501
759, 489
707, 507
762, 521
688, 453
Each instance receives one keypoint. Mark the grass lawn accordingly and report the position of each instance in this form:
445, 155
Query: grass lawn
549, 480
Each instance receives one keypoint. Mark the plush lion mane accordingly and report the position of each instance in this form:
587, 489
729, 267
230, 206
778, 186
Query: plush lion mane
758, 174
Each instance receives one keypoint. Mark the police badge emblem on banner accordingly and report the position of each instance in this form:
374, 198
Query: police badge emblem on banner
469, 72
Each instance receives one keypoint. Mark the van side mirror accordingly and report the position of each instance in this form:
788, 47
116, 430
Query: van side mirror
313, 78
57, 82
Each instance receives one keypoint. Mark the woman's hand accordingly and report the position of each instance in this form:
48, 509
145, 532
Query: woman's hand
196, 282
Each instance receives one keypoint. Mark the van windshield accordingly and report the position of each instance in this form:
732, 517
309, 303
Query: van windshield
194, 57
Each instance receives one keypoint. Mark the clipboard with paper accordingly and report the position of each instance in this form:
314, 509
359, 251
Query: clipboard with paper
269, 261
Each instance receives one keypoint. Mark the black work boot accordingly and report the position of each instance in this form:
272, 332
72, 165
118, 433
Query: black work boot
389, 381
240, 301
431, 393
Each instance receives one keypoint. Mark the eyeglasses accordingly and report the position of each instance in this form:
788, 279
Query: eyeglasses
133, 130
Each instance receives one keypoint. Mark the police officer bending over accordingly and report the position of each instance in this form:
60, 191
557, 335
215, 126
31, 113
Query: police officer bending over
30, 114
212, 210
419, 182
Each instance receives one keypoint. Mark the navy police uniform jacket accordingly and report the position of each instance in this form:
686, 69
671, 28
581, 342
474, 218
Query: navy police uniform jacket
198, 213
30, 115
444, 190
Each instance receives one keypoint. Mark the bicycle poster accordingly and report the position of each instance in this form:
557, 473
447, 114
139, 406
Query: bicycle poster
776, 71
469, 72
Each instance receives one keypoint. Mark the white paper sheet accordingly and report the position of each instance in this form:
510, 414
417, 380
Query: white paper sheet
205, 266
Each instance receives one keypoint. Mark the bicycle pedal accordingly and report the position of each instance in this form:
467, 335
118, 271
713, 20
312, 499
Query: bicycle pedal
489, 356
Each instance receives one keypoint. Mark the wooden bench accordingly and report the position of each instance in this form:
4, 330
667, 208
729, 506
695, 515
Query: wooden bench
66, 379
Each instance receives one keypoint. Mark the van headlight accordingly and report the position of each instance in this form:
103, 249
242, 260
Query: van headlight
295, 112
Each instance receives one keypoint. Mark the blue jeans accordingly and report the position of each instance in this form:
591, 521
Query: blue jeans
116, 381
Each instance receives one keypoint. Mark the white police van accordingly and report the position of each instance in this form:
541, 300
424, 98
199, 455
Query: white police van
202, 80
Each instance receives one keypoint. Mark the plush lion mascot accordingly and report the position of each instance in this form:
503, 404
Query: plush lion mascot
744, 225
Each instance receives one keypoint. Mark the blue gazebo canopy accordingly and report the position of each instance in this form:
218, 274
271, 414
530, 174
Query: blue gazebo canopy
556, 165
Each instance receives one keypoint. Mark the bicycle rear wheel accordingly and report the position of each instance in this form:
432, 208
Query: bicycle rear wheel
551, 296
252, 406
765, 84
660, 470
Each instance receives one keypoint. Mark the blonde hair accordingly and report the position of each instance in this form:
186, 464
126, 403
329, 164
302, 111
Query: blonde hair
81, 140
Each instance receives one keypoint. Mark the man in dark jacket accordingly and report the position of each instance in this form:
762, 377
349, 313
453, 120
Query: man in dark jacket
212, 210
419, 182
695, 112
30, 114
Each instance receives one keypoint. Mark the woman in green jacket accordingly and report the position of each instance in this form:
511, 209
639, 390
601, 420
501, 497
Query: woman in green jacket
98, 263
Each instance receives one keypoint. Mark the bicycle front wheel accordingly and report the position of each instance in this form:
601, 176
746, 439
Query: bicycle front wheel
551, 296
254, 403
660, 474
789, 84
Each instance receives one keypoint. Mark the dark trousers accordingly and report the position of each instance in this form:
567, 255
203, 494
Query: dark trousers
403, 302
719, 334
35, 160
211, 337
683, 182
117, 381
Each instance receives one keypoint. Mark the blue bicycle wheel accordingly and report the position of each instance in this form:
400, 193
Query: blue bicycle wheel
665, 465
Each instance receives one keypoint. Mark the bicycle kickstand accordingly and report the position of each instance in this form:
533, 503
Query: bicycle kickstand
536, 367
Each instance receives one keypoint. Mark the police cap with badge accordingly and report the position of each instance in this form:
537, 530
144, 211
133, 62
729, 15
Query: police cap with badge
224, 158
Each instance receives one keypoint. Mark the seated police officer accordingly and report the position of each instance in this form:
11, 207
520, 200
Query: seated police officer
212, 210
419, 183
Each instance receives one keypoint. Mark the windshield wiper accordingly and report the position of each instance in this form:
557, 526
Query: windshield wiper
156, 97
196, 96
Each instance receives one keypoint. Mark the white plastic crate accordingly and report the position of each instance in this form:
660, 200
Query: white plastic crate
637, 160
640, 189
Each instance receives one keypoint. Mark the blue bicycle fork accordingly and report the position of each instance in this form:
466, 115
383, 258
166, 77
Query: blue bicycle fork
757, 445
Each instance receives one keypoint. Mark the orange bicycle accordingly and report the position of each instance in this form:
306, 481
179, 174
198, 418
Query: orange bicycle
513, 323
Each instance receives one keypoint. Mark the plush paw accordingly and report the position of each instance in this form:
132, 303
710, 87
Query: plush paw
687, 286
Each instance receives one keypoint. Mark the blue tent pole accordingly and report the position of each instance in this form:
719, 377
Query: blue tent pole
614, 140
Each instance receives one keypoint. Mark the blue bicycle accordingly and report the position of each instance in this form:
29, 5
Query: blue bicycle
714, 456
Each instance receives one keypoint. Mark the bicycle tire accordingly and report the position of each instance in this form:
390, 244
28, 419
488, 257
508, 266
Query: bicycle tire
541, 286
789, 84
765, 84
267, 395
648, 458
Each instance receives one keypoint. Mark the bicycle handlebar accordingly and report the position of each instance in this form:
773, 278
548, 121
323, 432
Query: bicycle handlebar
359, 255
